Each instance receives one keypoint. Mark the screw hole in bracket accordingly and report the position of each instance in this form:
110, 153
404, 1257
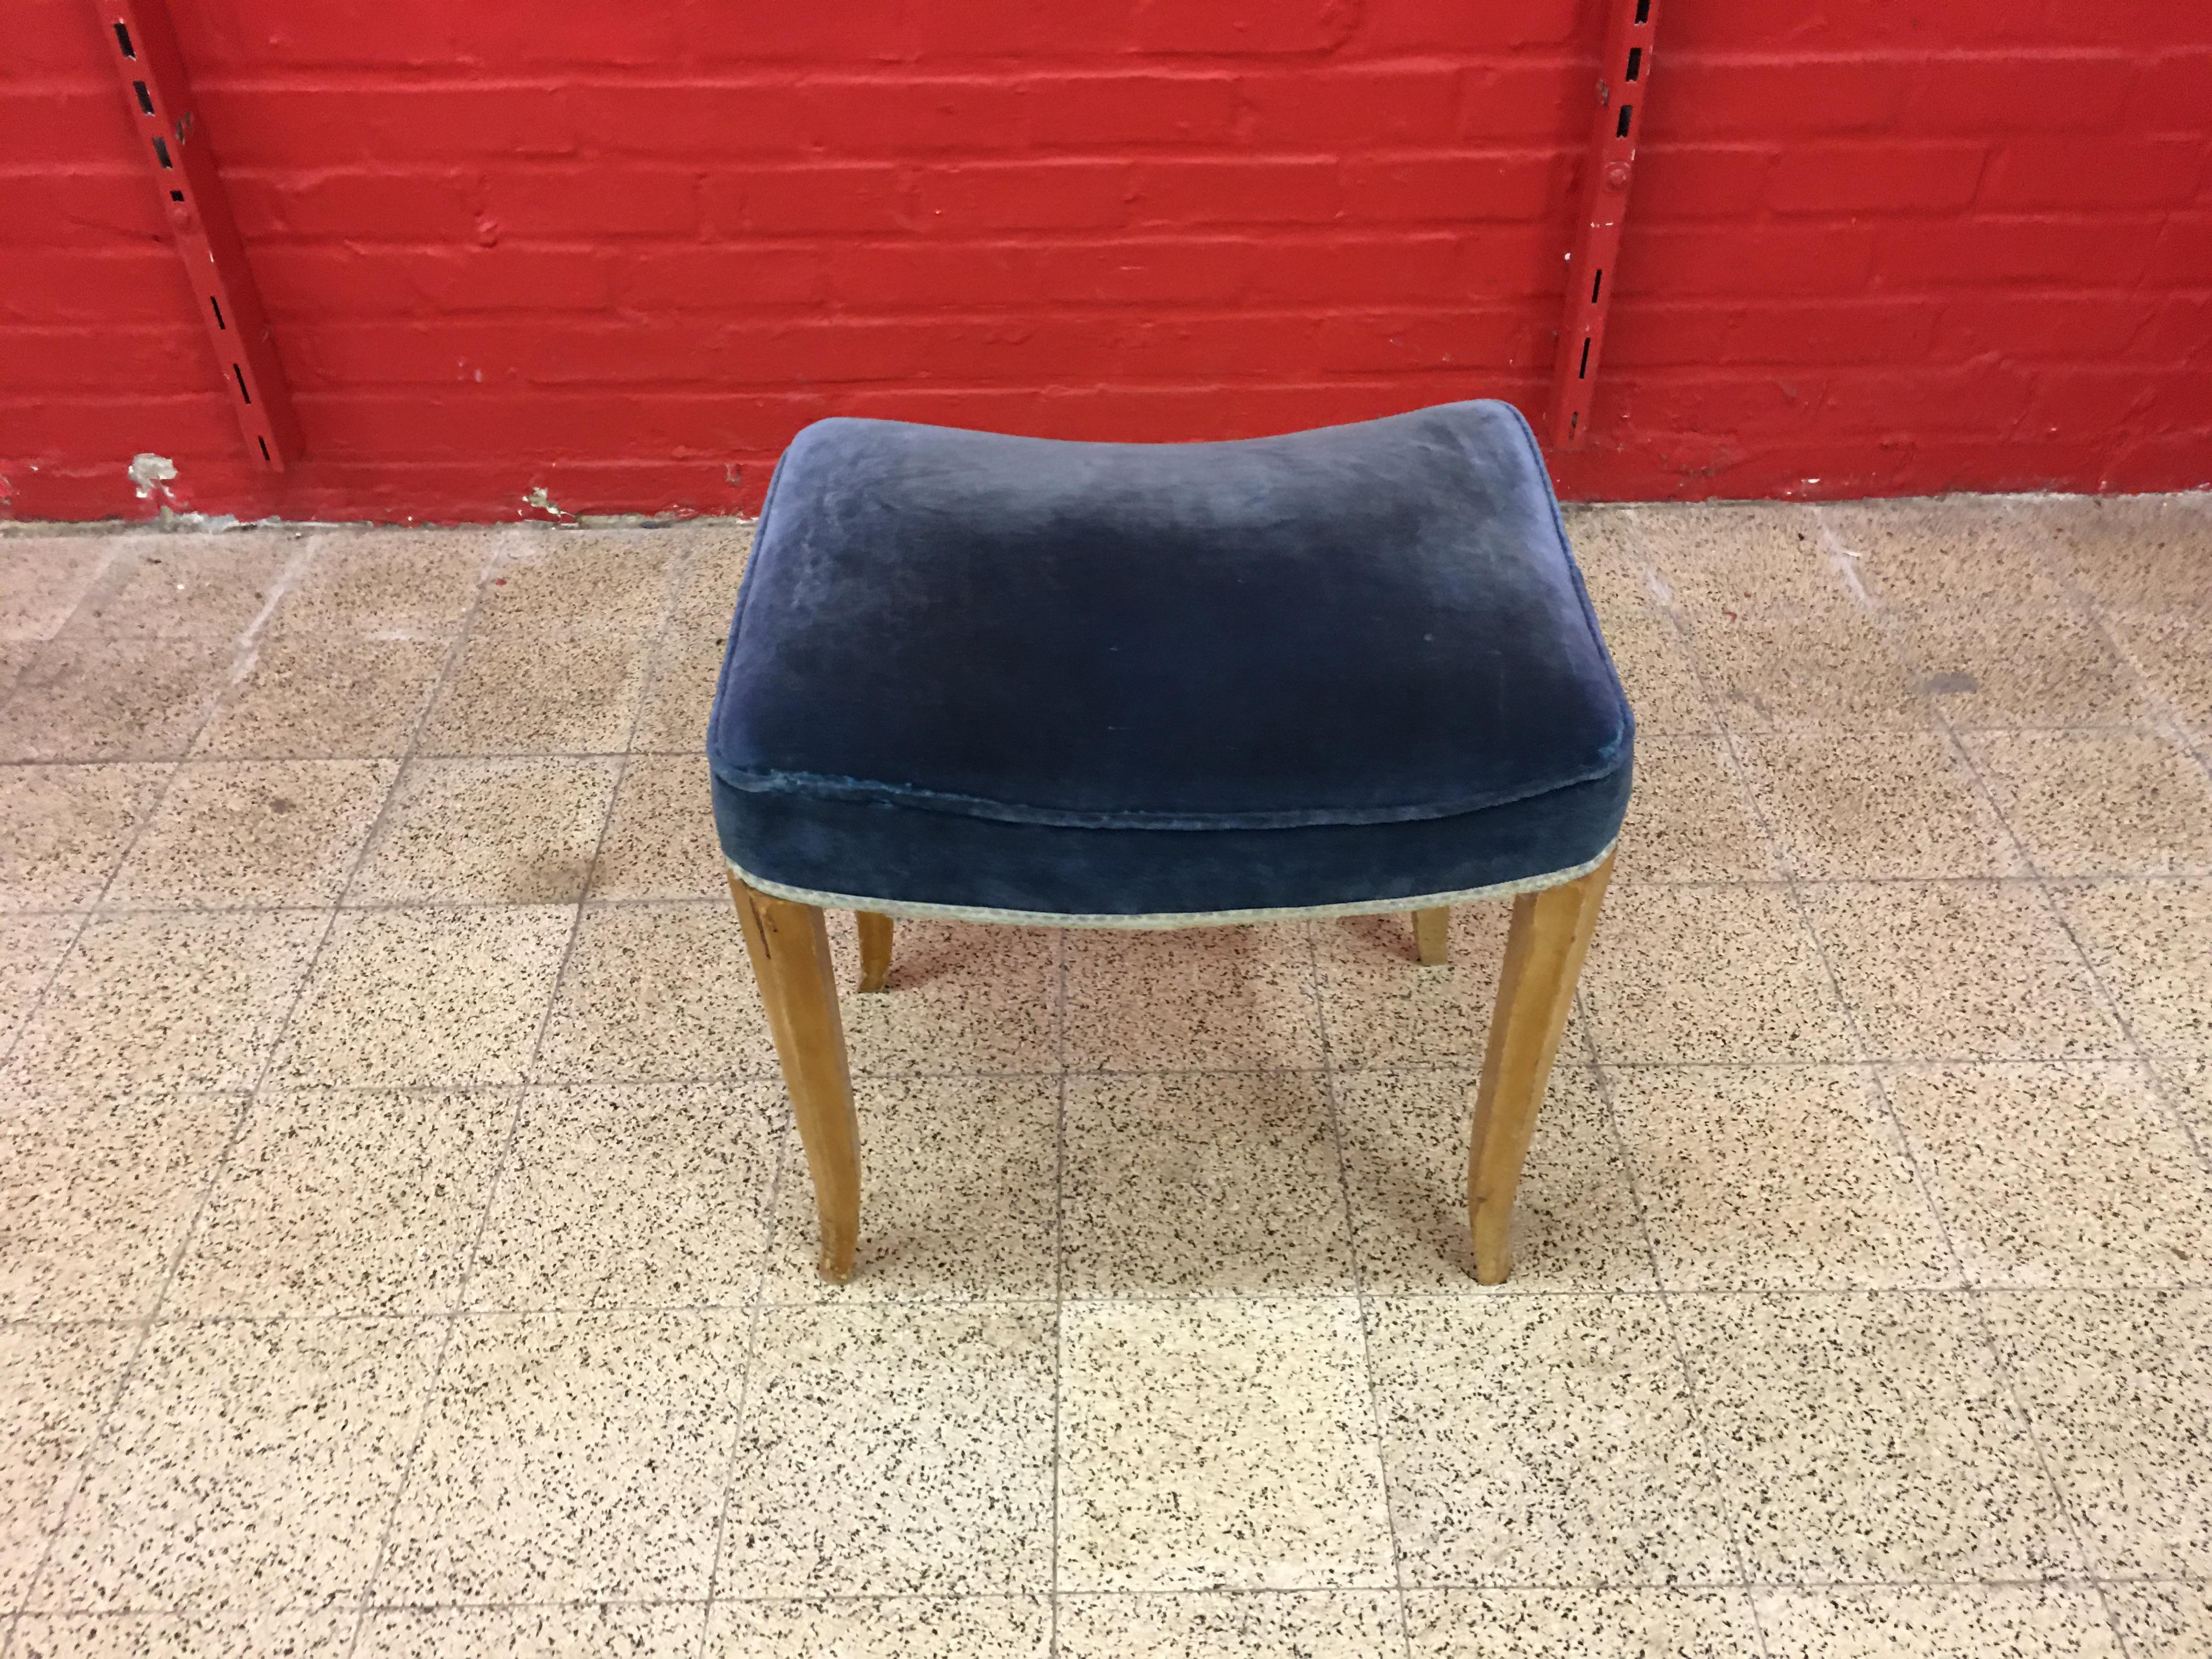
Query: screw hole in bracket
123, 40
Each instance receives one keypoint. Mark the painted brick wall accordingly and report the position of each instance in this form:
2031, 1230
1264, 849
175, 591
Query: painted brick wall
622, 252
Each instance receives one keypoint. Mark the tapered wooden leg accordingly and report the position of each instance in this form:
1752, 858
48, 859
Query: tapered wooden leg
875, 949
790, 950
1544, 952
1432, 936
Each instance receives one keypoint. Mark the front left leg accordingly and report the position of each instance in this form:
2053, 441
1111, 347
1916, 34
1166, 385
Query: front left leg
790, 948
1544, 950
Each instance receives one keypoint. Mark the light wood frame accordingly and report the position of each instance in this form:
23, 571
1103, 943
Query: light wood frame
1544, 950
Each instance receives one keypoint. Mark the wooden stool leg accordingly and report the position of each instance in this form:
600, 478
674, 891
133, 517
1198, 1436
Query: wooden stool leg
1432, 936
875, 949
1543, 951
790, 950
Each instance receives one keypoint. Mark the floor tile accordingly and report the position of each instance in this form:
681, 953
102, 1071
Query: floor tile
1230, 998
657, 993
891, 1450
1202, 1183
54, 1381
660, 840
1384, 1008
2058, 1175
1638, 1623
957, 1174
188, 586
2187, 1086
961, 998
1825, 664
2171, 649
2163, 1621
95, 700
1691, 817
63, 829
2001, 667
489, 832
1708, 973
1608, 548
1775, 1177
357, 1202
686, 665
294, 1632
1853, 804
1745, 554
384, 581
1317, 1624
254, 832
584, 1632
1653, 661
308, 695
569, 1457
900, 1627
2130, 552
2151, 945
1870, 1437
1218, 1445
42, 578
2114, 1383
31, 948
2011, 1621
184, 1001
637, 1195
1963, 553
2101, 803
98, 1196
615, 579
1960, 969
707, 590
1406, 1137
425, 998
1543, 1439
539, 690
246, 1464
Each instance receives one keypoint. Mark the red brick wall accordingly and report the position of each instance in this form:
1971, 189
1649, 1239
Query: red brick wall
622, 253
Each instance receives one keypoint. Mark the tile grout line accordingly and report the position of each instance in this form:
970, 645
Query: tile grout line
1669, 617
84, 913
2087, 609
1779, 856
146, 1323
446, 1323
2100, 620
495, 560
786, 1131
1975, 1291
1362, 1306
1670, 1315
1058, 1287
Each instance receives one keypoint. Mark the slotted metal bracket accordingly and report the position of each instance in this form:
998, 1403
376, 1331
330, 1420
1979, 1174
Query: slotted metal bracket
139, 39
1624, 81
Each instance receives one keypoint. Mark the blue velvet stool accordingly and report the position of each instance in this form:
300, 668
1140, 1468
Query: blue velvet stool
1137, 685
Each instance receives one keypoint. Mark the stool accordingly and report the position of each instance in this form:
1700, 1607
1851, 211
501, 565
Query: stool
1017, 680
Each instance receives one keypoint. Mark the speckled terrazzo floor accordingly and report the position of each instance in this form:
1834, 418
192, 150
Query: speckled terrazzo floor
402, 1250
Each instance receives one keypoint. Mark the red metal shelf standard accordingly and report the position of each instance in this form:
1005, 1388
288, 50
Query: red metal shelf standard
139, 34
1624, 81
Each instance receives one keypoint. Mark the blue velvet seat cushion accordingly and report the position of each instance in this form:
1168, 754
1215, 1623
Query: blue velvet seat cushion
1340, 667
